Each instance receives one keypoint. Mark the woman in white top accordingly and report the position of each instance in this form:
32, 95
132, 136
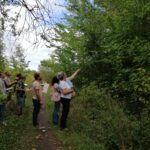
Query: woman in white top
66, 95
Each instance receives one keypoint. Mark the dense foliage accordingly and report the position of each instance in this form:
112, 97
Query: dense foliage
2, 59
110, 42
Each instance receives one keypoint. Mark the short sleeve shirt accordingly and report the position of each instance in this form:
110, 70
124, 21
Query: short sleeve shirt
36, 86
64, 85
69, 82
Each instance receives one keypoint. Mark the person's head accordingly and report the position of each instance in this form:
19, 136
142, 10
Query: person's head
61, 76
37, 76
2, 75
54, 80
40, 79
7, 74
18, 76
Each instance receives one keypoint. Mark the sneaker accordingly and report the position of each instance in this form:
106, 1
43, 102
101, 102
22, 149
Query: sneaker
64, 129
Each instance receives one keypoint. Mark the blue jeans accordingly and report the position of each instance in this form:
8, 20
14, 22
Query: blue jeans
55, 115
36, 110
2, 111
20, 101
20, 104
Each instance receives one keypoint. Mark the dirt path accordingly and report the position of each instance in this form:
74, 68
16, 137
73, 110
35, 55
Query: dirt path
46, 139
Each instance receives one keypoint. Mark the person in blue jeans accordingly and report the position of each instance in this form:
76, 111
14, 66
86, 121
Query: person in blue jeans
37, 99
55, 115
3, 98
20, 93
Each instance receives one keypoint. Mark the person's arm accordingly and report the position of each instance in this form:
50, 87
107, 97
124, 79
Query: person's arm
12, 83
20, 89
74, 74
67, 91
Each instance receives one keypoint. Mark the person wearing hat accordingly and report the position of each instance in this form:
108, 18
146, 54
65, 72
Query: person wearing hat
66, 95
20, 93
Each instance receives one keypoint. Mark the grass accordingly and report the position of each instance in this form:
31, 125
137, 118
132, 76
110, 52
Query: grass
72, 139
19, 133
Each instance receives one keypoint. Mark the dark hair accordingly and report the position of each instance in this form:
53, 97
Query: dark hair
36, 76
54, 80
18, 75
7, 73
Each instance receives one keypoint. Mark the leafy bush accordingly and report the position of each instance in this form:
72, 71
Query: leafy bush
103, 120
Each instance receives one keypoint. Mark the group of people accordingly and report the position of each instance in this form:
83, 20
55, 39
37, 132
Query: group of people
7, 88
62, 93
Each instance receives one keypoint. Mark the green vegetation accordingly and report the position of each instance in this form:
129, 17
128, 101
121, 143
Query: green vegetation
109, 41
19, 133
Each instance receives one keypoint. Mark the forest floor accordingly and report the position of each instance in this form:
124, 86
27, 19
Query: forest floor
19, 133
46, 140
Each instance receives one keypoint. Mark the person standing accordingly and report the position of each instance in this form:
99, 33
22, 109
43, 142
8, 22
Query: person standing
8, 85
66, 95
3, 98
37, 98
20, 93
56, 99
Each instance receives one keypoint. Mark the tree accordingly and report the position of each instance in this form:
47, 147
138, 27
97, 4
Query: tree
2, 59
36, 16
18, 61
49, 68
109, 41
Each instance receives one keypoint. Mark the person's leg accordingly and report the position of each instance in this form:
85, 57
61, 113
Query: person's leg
55, 113
23, 101
19, 105
65, 111
35, 112
2, 112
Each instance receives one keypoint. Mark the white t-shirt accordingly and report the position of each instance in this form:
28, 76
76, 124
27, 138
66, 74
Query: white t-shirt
35, 86
70, 83
65, 85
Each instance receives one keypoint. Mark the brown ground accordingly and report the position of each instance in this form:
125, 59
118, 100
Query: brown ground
46, 140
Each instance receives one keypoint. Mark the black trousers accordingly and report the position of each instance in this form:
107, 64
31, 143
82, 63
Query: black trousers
36, 110
65, 110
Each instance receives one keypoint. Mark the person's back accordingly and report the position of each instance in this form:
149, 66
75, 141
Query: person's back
37, 98
36, 85
64, 85
2, 86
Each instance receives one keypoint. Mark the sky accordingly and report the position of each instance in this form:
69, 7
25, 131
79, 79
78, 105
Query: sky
33, 53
